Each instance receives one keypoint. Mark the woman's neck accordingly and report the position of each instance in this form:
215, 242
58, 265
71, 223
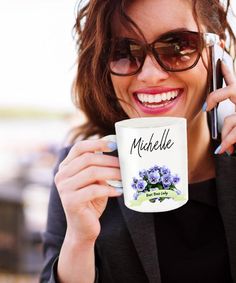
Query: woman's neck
200, 157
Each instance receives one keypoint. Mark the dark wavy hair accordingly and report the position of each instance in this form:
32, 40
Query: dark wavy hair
93, 92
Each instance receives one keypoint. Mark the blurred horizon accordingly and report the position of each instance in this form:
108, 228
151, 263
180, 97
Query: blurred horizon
37, 69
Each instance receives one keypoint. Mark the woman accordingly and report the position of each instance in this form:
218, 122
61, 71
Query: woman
129, 53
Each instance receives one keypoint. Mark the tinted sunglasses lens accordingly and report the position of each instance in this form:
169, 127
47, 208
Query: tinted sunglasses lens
178, 51
126, 57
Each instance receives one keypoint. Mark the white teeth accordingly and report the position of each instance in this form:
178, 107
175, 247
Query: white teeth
157, 98
168, 96
151, 99
163, 96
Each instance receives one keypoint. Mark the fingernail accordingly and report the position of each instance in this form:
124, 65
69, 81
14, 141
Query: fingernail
119, 190
218, 149
112, 145
204, 107
224, 61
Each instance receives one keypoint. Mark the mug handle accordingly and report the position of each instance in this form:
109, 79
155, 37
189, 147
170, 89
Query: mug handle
113, 183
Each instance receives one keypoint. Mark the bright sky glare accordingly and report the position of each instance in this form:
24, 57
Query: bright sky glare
37, 53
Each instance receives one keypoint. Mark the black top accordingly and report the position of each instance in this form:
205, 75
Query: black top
191, 240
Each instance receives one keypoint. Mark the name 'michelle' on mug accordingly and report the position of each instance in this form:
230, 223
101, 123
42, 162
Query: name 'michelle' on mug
153, 161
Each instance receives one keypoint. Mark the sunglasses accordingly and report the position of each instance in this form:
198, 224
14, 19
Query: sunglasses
173, 51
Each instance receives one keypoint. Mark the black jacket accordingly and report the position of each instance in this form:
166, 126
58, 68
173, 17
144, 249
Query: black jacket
129, 237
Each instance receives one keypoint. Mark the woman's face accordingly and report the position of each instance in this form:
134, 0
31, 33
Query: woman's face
154, 18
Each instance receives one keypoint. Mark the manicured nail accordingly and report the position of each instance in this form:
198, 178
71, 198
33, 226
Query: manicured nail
204, 107
224, 61
112, 145
119, 190
218, 149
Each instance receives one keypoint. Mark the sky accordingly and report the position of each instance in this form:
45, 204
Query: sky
37, 53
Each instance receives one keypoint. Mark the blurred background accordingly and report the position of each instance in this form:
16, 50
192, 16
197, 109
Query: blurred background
37, 67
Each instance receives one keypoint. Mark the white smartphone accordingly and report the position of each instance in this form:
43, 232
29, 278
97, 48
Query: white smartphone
218, 113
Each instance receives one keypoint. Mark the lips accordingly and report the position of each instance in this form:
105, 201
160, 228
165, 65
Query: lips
157, 100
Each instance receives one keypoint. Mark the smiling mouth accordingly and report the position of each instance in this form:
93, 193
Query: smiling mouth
157, 100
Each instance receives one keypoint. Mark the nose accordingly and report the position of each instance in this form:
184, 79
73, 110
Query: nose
151, 72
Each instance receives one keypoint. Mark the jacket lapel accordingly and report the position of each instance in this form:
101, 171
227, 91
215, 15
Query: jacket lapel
226, 193
142, 230
145, 239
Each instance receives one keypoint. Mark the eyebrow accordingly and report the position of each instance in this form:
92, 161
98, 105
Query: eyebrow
162, 34
175, 30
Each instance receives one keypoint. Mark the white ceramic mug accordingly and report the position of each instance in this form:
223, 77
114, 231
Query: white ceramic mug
152, 153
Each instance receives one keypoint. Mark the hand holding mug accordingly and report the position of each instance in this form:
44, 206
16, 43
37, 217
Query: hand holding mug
82, 188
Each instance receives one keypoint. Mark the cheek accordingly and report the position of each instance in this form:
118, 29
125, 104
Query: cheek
204, 68
116, 82
202, 80
195, 81
120, 85
199, 80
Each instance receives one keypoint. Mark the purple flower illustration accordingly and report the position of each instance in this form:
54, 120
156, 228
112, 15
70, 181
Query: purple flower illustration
135, 196
166, 180
141, 185
178, 192
154, 178
151, 170
134, 186
175, 179
143, 173
156, 167
164, 170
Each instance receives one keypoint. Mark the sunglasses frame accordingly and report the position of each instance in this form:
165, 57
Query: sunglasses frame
208, 39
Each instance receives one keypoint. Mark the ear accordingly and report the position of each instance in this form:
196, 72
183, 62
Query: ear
222, 43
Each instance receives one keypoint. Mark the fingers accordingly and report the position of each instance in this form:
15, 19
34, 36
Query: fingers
87, 194
86, 177
88, 146
229, 124
81, 187
220, 95
227, 144
228, 135
89, 159
84, 168
228, 92
228, 74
